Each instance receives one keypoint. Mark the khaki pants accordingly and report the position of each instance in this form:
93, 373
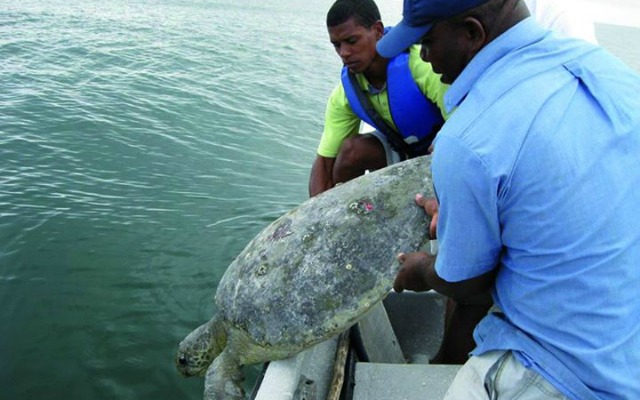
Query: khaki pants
498, 375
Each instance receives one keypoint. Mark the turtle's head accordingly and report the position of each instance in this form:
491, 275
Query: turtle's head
198, 350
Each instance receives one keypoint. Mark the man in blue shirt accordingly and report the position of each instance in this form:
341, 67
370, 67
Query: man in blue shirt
537, 175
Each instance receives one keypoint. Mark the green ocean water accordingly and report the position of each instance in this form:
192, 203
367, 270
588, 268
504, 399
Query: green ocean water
142, 145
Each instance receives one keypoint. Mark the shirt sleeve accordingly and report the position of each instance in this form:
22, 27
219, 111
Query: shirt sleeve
428, 81
340, 122
468, 224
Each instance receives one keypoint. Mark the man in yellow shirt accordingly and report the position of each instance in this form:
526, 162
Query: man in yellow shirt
401, 97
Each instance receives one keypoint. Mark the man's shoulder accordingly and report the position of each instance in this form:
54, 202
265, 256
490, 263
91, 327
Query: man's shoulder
543, 60
338, 95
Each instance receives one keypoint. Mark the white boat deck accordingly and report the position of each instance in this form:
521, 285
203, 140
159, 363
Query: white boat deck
402, 381
417, 321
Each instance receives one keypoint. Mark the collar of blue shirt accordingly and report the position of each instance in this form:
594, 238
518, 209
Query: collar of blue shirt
523, 33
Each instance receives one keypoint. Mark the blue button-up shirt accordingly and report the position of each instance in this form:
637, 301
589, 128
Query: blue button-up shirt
538, 174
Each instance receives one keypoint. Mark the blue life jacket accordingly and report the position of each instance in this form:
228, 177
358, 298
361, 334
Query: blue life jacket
417, 118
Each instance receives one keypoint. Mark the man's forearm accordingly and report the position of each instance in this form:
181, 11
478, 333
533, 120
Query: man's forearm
461, 291
321, 176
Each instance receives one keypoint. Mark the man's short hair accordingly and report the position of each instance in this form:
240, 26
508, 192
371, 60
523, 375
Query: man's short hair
365, 12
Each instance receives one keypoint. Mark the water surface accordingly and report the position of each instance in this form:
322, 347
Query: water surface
142, 145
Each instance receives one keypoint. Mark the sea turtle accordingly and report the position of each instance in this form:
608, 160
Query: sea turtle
309, 275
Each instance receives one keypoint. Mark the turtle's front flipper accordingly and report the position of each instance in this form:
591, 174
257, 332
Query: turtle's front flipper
223, 379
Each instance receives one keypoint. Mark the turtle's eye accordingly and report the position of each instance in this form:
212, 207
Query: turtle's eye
182, 360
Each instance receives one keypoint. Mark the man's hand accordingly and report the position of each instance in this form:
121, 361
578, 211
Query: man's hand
430, 206
418, 266
414, 271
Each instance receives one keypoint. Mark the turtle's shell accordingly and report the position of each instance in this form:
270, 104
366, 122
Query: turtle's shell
314, 271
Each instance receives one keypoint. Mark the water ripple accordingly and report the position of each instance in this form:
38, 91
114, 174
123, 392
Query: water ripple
142, 145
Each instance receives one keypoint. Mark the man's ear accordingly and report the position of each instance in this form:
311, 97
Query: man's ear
378, 27
475, 34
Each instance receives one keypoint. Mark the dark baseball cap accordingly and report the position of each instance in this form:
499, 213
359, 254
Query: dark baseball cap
418, 17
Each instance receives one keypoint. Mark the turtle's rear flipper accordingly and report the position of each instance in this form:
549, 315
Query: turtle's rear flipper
223, 379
